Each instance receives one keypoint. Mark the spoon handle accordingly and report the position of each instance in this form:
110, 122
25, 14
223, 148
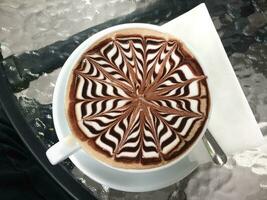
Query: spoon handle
216, 153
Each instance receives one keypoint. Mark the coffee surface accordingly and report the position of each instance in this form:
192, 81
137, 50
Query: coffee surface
137, 99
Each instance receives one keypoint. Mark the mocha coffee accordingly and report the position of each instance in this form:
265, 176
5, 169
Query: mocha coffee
137, 99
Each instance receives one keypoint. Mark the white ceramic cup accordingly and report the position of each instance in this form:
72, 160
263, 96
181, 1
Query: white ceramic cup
68, 146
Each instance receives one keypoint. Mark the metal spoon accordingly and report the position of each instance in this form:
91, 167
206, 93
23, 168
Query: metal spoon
216, 153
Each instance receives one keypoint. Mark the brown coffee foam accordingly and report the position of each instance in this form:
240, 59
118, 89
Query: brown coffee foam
89, 145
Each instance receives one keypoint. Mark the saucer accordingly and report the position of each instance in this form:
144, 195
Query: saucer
132, 180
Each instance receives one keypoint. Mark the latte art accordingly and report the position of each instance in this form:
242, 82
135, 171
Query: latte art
137, 100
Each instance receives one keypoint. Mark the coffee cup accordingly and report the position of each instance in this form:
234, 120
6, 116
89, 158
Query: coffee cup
165, 116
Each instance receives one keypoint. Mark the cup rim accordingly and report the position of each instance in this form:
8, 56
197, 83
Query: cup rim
75, 57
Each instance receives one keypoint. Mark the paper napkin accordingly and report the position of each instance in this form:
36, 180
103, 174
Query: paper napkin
232, 122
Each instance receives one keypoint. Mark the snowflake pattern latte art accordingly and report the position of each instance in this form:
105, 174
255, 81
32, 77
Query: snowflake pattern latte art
139, 100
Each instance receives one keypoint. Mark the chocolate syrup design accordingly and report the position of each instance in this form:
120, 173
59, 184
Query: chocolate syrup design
136, 98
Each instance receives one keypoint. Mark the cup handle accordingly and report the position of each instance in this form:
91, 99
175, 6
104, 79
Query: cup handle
62, 149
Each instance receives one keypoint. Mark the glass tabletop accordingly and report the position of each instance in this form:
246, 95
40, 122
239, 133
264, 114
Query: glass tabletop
38, 36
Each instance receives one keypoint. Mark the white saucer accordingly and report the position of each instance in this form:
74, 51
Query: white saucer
126, 180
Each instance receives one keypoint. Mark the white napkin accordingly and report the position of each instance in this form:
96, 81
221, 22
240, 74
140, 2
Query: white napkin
232, 122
